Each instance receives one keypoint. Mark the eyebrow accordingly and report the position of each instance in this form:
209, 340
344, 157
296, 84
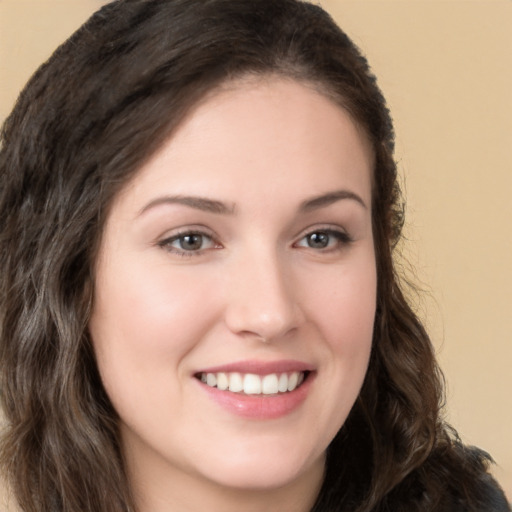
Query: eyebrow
327, 199
218, 207
199, 203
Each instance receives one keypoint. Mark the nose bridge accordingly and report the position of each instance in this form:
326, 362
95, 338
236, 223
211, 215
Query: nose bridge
261, 296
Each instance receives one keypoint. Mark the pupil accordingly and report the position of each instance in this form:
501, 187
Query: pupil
191, 242
318, 240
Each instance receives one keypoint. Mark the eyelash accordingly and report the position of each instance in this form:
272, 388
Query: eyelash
341, 239
167, 243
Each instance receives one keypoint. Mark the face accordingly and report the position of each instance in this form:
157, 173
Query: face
235, 290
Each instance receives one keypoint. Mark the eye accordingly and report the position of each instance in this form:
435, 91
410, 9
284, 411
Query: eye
188, 243
324, 239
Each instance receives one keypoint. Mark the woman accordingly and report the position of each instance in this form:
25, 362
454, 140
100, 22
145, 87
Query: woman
199, 305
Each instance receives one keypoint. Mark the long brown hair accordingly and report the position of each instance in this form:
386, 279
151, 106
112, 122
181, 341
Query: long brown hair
82, 127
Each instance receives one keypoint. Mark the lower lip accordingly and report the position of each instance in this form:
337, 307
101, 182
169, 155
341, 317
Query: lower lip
260, 407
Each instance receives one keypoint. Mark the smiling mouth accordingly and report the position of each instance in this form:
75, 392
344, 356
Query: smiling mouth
252, 384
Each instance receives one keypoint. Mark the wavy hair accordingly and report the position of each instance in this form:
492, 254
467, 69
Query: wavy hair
85, 123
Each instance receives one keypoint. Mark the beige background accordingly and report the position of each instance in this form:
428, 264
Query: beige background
445, 67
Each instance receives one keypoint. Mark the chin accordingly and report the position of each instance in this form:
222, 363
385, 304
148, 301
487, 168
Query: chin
264, 473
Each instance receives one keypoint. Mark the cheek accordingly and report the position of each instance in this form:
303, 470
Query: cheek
145, 317
144, 323
341, 304
344, 303
344, 308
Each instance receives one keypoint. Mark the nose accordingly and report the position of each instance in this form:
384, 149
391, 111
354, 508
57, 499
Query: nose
262, 302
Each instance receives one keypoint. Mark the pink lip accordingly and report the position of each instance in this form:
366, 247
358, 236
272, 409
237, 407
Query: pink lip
260, 367
260, 407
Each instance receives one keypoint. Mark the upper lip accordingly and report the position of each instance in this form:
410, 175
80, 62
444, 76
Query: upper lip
260, 367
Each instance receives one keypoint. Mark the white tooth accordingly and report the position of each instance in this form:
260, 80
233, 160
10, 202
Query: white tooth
283, 383
300, 381
222, 381
203, 377
252, 384
235, 382
211, 380
293, 380
270, 384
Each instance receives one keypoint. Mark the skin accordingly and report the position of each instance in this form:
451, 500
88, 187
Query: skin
255, 288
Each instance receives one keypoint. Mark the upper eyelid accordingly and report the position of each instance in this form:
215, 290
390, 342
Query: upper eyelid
176, 233
166, 240
333, 228
166, 244
186, 230
341, 234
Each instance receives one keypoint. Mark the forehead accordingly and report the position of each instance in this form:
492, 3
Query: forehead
267, 131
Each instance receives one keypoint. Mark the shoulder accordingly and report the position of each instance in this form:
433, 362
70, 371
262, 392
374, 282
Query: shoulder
494, 498
453, 478
466, 484
491, 496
